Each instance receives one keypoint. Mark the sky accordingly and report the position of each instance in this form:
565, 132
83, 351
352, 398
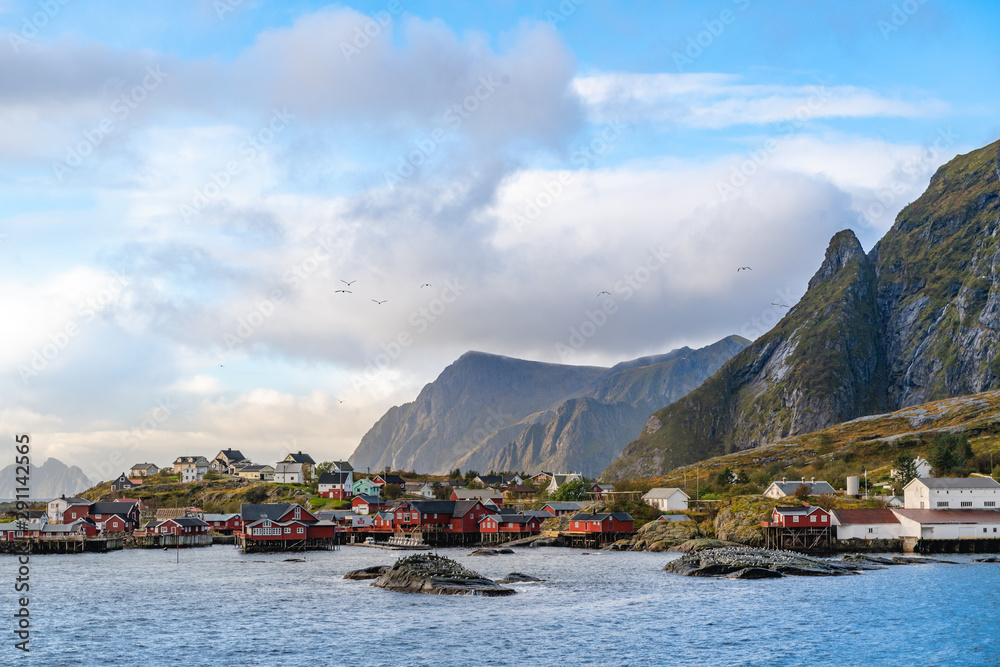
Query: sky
186, 186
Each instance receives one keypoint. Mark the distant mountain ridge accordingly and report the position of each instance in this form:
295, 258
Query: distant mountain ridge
493, 412
916, 319
50, 480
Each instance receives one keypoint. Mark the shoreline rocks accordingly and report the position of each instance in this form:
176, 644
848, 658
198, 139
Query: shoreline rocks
492, 552
436, 575
518, 578
373, 572
753, 563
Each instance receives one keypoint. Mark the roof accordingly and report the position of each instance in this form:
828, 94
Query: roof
865, 516
287, 467
334, 478
663, 492
950, 516
538, 514
254, 468
564, 505
219, 517
272, 511
143, 466
463, 507
368, 499
801, 510
433, 506
112, 508
584, 516
299, 457
959, 482
392, 479
72, 501
674, 517
188, 521
170, 513
469, 494
342, 466
818, 488
192, 459
604, 487
231, 455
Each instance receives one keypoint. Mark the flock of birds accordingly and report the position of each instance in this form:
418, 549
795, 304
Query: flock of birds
377, 302
742, 268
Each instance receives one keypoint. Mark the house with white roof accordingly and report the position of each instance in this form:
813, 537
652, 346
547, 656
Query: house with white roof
949, 524
288, 472
951, 493
784, 488
665, 499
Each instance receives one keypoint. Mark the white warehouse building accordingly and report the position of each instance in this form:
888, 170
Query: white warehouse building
951, 493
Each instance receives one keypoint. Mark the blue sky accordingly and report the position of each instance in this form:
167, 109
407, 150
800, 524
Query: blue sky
195, 171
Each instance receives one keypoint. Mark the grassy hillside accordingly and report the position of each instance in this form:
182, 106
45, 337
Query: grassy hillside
869, 443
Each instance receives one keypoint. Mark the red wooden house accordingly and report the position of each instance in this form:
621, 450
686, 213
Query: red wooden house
466, 515
420, 514
102, 512
800, 517
363, 504
224, 524
381, 480
383, 522
614, 522
179, 526
283, 521
114, 523
509, 523
76, 512
337, 485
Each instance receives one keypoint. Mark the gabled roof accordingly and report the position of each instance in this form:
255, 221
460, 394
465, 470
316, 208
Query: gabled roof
433, 506
170, 513
254, 468
342, 466
845, 517
583, 516
663, 492
538, 514
219, 517
800, 511
564, 505
950, 516
959, 482
187, 521
604, 487
334, 478
112, 508
287, 467
72, 501
818, 488
196, 460
272, 511
230, 455
392, 479
470, 494
368, 499
674, 517
463, 507
299, 457
143, 466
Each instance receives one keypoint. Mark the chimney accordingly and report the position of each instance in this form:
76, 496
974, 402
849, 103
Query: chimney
783, 480
813, 480
803, 480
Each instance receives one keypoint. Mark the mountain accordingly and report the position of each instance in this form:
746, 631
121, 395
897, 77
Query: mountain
49, 480
915, 320
488, 411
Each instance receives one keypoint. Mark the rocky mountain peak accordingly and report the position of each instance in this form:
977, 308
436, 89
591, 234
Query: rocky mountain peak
844, 247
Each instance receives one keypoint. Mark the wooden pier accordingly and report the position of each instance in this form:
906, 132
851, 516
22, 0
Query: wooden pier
271, 546
582, 540
67, 545
813, 540
167, 541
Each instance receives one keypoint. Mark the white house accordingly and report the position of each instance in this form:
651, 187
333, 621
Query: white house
559, 479
949, 493
949, 524
427, 491
56, 507
287, 472
192, 473
665, 499
199, 462
922, 466
784, 488
866, 524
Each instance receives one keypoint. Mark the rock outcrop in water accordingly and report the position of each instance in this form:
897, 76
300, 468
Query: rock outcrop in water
436, 575
750, 563
373, 572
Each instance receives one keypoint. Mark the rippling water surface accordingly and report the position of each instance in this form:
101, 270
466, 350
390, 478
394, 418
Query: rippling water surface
219, 607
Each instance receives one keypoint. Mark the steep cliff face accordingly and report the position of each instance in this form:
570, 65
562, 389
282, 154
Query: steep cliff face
939, 284
917, 319
488, 412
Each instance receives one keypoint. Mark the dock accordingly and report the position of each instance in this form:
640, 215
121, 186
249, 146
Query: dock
396, 544
68, 545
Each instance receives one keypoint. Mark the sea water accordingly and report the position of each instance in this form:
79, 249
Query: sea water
217, 606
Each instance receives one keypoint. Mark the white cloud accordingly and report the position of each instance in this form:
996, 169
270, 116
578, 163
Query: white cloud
715, 101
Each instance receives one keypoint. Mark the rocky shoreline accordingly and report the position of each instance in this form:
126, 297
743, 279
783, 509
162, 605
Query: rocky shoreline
753, 563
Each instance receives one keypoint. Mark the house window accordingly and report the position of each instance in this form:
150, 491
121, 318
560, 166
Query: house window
812, 518
966, 503
299, 530
795, 519
942, 503
287, 529
990, 503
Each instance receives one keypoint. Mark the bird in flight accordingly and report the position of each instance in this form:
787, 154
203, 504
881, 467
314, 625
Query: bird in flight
348, 283
779, 305
345, 291
604, 292
426, 285
380, 302
743, 268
